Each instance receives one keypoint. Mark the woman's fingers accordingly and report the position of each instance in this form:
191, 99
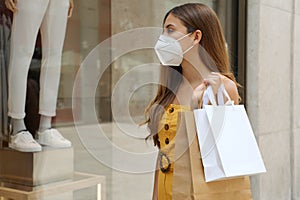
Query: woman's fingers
8, 5
14, 5
11, 5
200, 87
215, 80
71, 8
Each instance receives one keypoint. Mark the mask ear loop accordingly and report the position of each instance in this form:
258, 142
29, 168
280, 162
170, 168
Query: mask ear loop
184, 36
190, 46
188, 49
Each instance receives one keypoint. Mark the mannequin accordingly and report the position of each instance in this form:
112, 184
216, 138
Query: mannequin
50, 16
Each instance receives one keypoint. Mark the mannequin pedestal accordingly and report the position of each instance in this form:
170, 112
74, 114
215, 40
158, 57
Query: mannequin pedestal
45, 175
33, 169
3, 141
62, 190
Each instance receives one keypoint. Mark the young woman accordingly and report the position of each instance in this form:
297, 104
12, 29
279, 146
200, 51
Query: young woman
193, 52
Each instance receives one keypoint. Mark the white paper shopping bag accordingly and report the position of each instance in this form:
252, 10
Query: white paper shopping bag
227, 143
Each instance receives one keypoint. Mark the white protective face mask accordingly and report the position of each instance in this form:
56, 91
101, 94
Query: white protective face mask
169, 51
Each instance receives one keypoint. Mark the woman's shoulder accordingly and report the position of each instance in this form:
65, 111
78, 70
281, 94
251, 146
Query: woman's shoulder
231, 89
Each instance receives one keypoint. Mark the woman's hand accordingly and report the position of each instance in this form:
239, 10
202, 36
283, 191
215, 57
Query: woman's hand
71, 8
214, 80
11, 5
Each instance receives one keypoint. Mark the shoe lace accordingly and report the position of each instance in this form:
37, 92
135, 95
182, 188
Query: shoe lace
57, 134
27, 137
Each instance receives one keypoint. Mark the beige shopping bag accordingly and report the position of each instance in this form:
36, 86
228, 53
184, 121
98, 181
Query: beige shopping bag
188, 175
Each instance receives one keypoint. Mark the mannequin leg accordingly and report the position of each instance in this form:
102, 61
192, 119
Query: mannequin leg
18, 125
26, 23
45, 123
53, 31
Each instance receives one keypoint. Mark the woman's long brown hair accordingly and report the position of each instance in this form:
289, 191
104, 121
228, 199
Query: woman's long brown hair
212, 51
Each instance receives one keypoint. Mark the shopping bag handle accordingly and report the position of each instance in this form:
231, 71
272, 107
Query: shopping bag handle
209, 96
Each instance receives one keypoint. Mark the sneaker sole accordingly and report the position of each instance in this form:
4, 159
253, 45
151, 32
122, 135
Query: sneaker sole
53, 146
24, 149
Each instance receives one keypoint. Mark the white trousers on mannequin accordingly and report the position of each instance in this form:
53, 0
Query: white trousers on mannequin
51, 17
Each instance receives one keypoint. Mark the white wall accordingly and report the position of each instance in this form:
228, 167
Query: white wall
273, 94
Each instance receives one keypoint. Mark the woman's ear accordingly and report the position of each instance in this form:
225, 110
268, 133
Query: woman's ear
198, 36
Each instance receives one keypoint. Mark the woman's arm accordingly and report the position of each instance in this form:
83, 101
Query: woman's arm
232, 90
155, 187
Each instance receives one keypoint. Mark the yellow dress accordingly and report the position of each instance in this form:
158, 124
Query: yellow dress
166, 135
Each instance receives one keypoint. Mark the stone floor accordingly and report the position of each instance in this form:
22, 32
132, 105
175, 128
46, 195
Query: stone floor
121, 184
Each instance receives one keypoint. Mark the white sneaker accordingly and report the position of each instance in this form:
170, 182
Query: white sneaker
53, 138
23, 141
